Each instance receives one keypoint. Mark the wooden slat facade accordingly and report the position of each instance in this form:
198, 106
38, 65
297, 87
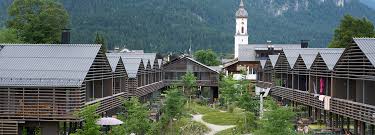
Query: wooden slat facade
350, 84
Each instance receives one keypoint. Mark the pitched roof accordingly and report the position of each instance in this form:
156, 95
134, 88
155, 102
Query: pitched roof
200, 64
248, 52
331, 59
307, 53
131, 66
273, 59
308, 59
262, 63
367, 45
145, 56
113, 61
45, 65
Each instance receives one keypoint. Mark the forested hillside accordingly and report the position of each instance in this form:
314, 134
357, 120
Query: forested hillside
173, 25
370, 3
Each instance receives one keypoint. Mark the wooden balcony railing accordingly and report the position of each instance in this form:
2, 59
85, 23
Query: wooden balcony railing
354, 110
108, 103
199, 82
147, 89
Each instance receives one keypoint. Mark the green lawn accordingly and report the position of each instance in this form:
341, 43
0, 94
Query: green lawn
195, 108
221, 118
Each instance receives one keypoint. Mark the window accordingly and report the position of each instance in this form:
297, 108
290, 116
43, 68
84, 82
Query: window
242, 29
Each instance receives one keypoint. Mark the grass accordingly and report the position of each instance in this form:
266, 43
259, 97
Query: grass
195, 108
226, 132
221, 118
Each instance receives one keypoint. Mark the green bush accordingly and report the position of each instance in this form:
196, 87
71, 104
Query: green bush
194, 128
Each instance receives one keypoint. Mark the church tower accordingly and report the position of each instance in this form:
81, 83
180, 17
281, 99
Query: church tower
241, 36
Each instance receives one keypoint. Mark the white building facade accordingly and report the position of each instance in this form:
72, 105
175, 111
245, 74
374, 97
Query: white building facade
241, 36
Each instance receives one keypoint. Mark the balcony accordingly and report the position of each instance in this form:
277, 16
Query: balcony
354, 110
108, 103
208, 83
147, 89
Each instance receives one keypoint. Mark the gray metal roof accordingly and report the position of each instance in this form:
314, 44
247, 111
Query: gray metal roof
45, 65
308, 59
273, 59
217, 68
292, 54
263, 63
367, 45
201, 64
145, 56
248, 52
113, 61
131, 66
331, 59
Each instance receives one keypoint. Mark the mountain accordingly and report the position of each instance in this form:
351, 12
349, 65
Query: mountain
370, 3
174, 25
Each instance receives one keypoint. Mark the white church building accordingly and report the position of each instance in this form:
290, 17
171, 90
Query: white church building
247, 57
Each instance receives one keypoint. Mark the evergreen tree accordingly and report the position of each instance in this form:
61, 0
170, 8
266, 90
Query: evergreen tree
189, 83
349, 28
207, 57
99, 39
37, 21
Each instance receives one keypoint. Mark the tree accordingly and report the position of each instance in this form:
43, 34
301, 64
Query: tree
228, 91
276, 120
9, 36
99, 39
245, 100
89, 116
351, 27
37, 21
136, 119
174, 104
207, 57
189, 82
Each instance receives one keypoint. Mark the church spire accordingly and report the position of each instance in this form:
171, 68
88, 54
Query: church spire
241, 12
241, 4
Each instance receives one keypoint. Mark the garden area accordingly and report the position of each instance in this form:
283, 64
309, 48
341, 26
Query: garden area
183, 113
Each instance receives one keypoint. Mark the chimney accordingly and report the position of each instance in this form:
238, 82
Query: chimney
270, 47
65, 36
304, 43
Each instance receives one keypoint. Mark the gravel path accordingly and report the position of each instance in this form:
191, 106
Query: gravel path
214, 128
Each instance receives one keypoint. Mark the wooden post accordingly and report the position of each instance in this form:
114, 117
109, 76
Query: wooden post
325, 117
64, 128
356, 127
348, 123
363, 128
342, 121
336, 120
